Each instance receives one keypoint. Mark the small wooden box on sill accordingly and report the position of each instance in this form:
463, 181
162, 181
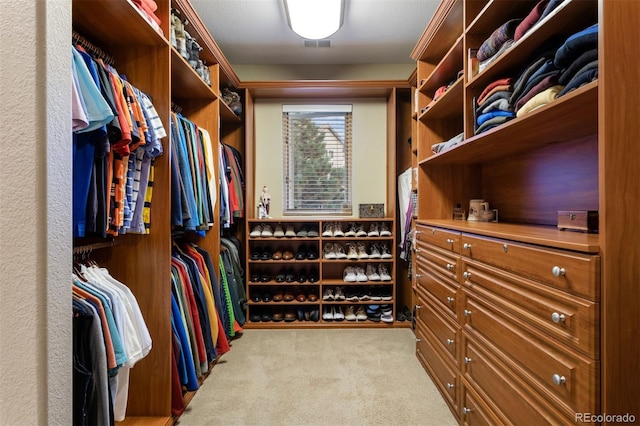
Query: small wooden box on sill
578, 220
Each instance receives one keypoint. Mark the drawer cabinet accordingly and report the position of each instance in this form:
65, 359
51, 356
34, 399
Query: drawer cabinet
571, 320
575, 273
440, 288
445, 239
445, 331
561, 374
473, 411
444, 375
512, 397
438, 260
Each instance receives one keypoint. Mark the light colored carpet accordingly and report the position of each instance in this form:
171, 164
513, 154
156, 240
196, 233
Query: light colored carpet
319, 377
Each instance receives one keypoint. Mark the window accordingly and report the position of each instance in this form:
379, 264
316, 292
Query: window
317, 168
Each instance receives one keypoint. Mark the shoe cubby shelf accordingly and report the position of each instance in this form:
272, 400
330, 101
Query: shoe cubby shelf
337, 254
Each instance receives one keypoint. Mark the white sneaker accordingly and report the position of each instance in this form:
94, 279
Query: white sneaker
312, 233
350, 314
256, 231
384, 274
328, 230
290, 231
278, 232
303, 232
267, 231
362, 251
329, 252
352, 254
361, 277
351, 231
328, 294
372, 274
360, 232
338, 294
374, 230
340, 254
361, 314
338, 315
350, 275
384, 230
388, 318
337, 230
328, 314
375, 252
385, 253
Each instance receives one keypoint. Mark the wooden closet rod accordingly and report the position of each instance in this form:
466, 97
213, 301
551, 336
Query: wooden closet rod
91, 48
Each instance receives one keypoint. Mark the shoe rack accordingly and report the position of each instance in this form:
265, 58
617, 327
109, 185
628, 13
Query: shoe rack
320, 273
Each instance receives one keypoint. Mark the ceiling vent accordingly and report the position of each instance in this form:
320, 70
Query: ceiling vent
317, 43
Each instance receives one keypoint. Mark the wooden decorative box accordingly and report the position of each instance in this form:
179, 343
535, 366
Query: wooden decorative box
578, 220
371, 210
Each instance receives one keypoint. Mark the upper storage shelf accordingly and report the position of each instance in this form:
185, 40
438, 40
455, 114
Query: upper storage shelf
579, 117
442, 32
97, 18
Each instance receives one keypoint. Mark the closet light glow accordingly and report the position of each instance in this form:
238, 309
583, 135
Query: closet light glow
314, 19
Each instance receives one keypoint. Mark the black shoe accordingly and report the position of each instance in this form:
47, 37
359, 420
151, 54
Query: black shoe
313, 276
265, 277
301, 254
312, 252
314, 315
280, 277
255, 255
266, 254
255, 277
301, 277
266, 297
256, 297
266, 318
289, 277
255, 317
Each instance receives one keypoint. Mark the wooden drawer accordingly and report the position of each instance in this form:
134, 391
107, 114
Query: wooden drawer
445, 239
473, 410
443, 374
443, 328
441, 289
512, 399
569, 319
575, 273
536, 357
442, 261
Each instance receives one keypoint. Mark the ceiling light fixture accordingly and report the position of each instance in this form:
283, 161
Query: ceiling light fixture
314, 19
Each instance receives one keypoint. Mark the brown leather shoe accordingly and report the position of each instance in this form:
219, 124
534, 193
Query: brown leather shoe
287, 255
277, 296
277, 316
312, 297
300, 297
288, 296
277, 255
290, 316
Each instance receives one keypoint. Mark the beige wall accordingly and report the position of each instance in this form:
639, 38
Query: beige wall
324, 72
369, 151
35, 213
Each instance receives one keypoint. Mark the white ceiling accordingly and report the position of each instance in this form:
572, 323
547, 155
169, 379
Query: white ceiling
374, 32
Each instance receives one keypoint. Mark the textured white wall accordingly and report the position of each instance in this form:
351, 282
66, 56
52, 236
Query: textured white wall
35, 212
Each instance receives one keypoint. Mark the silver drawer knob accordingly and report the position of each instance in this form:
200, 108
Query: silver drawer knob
467, 360
449, 241
418, 339
466, 246
558, 379
418, 276
450, 385
558, 271
450, 299
417, 250
450, 267
418, 307
466, 410
557, 318
450, 341
466, 275
466, 313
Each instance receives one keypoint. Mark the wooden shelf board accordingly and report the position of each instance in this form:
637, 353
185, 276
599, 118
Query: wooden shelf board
145, 421
498, 11
185, 81
228, 116
449, 105
579, 112
446, 71
533, 234
96, 18
324, 324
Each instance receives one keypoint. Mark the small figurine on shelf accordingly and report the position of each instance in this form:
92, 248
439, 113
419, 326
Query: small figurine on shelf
262, 213
265, 199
